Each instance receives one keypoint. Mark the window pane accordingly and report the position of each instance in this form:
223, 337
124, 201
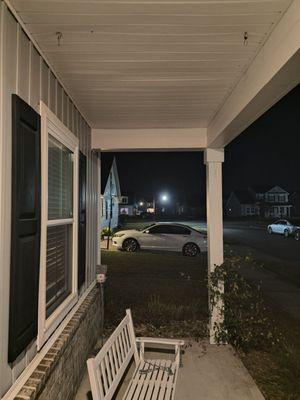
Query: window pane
60, 180
58, 265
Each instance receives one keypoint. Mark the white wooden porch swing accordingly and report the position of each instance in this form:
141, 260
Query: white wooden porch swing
151, 380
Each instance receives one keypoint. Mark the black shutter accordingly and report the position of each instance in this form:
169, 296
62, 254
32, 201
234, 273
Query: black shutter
82, 220
25, 225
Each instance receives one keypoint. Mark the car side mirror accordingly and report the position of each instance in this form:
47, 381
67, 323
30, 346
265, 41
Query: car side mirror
147, 231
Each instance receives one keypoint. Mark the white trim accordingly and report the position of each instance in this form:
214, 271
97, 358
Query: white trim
50, 124
19, 383
57, 222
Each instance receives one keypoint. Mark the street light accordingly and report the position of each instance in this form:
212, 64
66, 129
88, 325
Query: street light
164, 198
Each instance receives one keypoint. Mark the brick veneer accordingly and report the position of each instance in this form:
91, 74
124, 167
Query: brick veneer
59, 373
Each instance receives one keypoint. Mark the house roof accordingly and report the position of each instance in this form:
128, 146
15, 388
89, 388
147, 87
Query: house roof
269, 188
105, 171
244, 196
261, 188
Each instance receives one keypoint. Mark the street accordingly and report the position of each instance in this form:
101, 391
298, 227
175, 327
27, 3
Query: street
256, 238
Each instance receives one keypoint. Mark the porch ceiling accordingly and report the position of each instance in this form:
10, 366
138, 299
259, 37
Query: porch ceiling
150, 64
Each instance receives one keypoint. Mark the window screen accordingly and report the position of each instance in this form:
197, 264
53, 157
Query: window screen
59, 231
59, 263
60, 180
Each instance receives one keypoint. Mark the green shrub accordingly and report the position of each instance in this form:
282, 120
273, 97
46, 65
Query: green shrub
246, 324
106, 232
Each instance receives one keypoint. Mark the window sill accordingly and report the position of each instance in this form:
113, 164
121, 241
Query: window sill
56, 318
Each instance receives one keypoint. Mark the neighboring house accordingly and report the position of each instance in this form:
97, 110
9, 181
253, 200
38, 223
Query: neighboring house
267, 202
110, 196
273, 201
124, 207
241, 204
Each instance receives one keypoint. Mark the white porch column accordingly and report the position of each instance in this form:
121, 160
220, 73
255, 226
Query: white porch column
213, 160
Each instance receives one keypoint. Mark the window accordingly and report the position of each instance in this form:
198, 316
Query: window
170, 230
179, 230
59, 227
124, 200
159, 229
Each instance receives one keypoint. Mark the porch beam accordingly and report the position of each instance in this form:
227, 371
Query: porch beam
213, 159
273, 73
149, 139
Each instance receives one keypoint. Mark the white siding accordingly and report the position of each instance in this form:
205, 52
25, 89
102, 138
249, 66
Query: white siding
24, 72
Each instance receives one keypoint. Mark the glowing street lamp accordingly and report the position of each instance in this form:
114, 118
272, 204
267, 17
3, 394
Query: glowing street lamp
164, 198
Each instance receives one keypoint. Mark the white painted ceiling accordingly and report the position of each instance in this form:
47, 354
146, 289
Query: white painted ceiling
146, 63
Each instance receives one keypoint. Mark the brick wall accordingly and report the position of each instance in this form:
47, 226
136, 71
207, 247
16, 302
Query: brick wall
60, 372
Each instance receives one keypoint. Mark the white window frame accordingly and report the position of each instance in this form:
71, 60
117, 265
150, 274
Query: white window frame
50, 124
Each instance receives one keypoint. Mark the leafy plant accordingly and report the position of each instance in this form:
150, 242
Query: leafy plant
106, 232
245, 320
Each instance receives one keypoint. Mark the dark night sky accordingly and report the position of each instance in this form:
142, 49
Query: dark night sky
266, 153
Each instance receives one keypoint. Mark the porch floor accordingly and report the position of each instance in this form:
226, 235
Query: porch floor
208, 372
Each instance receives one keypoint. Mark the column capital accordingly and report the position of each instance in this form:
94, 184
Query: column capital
214, 155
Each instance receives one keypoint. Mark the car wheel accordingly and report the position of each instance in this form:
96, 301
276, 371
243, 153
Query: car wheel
190, 250
286, 233
270, 230
130, 245
297, 235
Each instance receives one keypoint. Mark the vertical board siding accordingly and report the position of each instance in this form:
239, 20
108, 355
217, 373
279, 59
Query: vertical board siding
65, 108
8, 80
23, 65
44, 79
59, 101
35, 81
52, 92
24, 72
70, 114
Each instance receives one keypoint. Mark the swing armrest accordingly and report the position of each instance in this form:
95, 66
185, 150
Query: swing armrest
170, 342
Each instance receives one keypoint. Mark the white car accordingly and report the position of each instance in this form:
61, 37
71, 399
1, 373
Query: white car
282, 226
162, 236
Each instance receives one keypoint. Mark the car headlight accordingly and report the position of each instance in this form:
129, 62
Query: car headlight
117, 235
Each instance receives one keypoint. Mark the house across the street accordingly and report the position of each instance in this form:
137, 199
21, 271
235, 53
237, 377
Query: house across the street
267, 202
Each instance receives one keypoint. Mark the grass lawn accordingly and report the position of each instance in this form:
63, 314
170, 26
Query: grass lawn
277, 370
166, 293
287, 272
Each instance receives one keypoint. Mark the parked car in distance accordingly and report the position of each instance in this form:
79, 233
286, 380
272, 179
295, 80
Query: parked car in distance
283, 227
162, 236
